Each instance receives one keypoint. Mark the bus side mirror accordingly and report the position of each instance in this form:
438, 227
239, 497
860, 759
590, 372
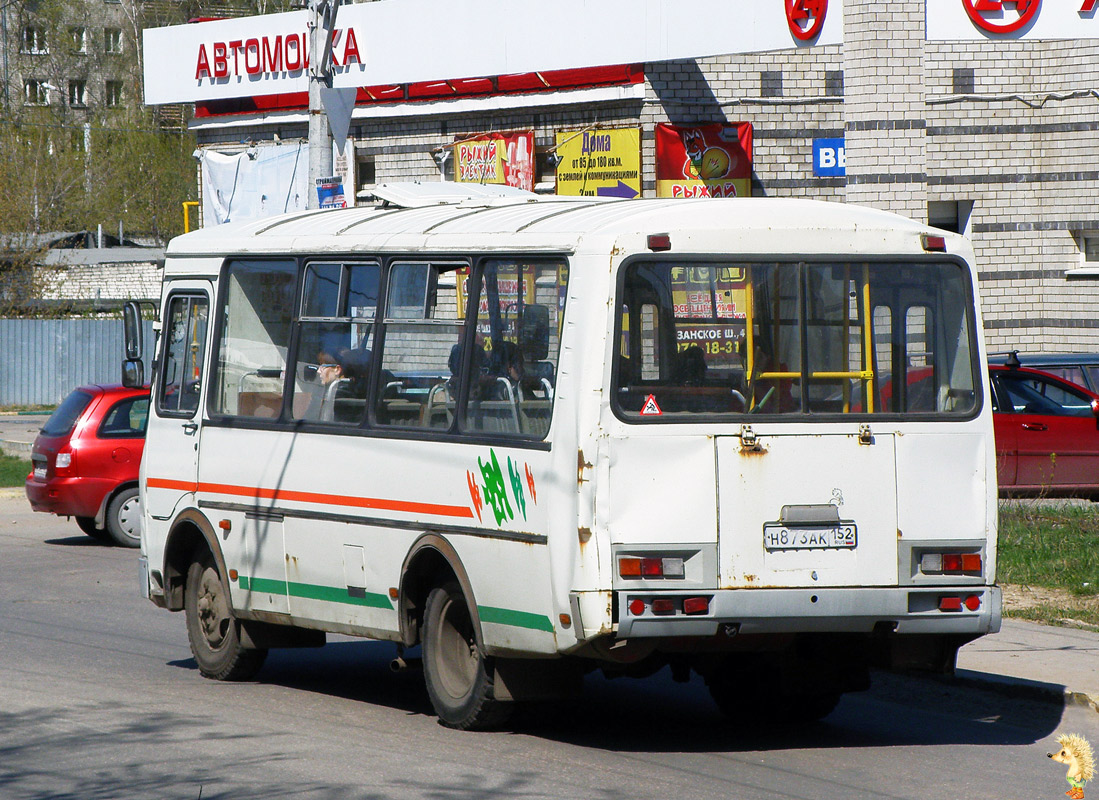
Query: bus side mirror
132, 332
133, 373
133, 370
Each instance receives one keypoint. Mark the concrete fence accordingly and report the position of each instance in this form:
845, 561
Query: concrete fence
42, 360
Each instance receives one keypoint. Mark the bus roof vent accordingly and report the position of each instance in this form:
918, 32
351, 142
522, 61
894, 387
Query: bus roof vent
420, 195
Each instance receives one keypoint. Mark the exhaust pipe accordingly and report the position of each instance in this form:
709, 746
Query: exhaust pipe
400, 664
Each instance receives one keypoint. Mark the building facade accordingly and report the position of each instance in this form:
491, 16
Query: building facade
989, 134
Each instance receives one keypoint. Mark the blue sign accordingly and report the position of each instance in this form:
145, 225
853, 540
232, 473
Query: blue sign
829, 158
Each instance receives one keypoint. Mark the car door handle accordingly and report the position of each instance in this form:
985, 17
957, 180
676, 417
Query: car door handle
190, 427
1035, 426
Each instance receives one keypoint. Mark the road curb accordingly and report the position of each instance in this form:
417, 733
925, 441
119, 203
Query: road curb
1021, 687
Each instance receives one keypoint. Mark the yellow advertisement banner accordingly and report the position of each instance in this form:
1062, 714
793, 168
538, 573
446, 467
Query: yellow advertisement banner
599, 163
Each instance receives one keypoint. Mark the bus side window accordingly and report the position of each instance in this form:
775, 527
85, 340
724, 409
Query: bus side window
519, 306
421, 328
255, 337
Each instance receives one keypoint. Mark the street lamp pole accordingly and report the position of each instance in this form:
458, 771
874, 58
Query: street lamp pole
322, 23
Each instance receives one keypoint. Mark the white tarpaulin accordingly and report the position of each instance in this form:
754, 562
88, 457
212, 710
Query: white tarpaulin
261, 182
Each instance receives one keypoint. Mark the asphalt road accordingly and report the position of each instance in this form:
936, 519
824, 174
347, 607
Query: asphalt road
99, 698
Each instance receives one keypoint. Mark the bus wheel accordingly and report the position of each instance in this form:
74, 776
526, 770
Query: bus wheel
213, 632
87, 524
457, 673
124, 518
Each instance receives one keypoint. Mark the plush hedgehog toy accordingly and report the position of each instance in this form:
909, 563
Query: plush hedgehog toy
1076, 753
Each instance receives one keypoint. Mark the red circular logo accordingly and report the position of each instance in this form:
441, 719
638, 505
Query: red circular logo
806, 18
1026, 10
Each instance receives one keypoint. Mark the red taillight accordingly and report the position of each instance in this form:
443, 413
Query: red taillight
663, 605
629, 567
64, 462
950, 604
652, 567
696, 605
973, 602
637, 607
933, 242
952, 562
659, 242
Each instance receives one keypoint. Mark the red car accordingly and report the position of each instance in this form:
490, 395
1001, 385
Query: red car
85, 461
1047, 434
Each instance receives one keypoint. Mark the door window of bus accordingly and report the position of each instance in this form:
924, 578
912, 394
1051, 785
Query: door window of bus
255, 337
184, 348
798, 338
421, 330
335, 342
518, 306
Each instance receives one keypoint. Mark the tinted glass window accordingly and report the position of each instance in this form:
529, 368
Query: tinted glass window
255, 337
64, 417
184, 349
126, 419
794, 338
1032, 394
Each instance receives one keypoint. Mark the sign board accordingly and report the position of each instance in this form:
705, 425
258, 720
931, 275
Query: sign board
330, 192
961, 20
711, 160
601, 162
253, 56
829, 158
505, 158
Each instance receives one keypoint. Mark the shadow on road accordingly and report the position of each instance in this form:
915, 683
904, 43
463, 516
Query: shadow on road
657, 714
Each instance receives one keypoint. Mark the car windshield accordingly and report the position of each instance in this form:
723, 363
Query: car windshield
63, 419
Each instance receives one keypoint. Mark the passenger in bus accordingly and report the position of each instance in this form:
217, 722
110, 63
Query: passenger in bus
690, 367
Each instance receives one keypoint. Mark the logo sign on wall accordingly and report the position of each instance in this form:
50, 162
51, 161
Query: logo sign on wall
712, 160
961, 20
806, 18
599, 162
993, 17
829, 158
506, 158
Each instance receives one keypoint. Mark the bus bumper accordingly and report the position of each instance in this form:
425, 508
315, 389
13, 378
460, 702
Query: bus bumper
970, 610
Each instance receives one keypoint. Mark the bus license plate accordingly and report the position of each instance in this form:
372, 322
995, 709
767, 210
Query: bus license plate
785, 537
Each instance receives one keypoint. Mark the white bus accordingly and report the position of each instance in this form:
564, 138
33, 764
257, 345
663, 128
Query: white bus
745, 438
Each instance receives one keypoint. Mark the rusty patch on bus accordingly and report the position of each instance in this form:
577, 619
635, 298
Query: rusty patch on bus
581, 465
584, 534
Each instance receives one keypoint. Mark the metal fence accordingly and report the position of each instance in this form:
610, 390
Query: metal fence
42, 360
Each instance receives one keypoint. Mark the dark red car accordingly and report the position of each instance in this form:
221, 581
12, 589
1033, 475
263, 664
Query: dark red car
86, 458
1047, 434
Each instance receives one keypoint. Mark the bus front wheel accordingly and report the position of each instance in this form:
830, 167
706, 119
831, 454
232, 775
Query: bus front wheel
212, 630
456, 671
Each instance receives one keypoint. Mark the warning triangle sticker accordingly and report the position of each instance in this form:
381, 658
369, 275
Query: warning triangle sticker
650, 409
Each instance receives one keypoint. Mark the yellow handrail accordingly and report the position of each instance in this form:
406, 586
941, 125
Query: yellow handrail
187, 204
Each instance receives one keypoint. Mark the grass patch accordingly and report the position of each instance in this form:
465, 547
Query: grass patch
13, 471
1050, 549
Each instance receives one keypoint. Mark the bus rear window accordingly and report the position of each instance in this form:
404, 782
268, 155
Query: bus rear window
784, 338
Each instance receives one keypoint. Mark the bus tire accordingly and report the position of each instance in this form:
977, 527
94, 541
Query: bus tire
123, 521
456, 671
212, 630
87, 524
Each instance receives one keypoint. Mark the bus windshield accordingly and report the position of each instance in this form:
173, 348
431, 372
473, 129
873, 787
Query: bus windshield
788, 338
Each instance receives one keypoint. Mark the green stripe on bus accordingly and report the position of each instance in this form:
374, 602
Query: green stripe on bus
517, 619
309, 591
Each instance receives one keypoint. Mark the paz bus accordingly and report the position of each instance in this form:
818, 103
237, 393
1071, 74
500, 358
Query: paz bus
747, 439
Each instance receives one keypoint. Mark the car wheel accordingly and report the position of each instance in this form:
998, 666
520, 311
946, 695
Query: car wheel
213, 632
124, 518
87, 524
457, 674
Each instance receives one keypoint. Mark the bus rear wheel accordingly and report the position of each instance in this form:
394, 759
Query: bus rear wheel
456, 671
212, 630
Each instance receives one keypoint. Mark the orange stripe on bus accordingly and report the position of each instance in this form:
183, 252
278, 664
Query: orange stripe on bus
258, 493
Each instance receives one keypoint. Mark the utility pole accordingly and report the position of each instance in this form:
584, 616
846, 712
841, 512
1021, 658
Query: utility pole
322, 24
